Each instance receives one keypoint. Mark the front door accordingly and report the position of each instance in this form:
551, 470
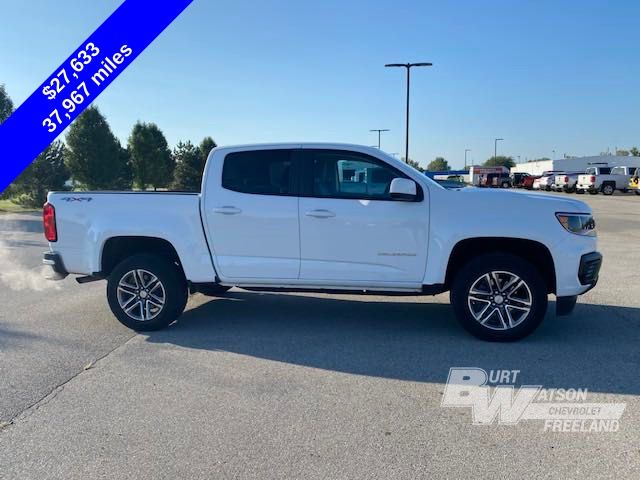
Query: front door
252, 215
351, 229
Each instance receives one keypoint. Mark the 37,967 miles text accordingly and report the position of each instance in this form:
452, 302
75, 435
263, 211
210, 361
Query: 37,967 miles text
56, 87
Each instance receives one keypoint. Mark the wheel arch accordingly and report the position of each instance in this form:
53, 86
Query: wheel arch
530, 250
116, 249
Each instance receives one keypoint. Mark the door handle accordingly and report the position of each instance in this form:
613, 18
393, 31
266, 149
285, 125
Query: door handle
227, 210
321, 213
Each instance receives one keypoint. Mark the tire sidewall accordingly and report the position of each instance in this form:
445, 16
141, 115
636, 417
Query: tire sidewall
606, 191
495, 262
172, 280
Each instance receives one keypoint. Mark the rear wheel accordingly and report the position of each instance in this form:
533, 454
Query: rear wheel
146, 292
499, 297
608, 189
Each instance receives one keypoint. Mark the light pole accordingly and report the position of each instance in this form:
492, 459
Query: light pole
408, 67
465, 157
495, 146
379, 130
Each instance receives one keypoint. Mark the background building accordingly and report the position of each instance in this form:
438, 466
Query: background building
576, 164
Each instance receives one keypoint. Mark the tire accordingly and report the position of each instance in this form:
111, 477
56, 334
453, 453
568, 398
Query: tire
625, 190
526, 305
637, 192
579, 191
162, 301
505, 185
593, 192
608, 189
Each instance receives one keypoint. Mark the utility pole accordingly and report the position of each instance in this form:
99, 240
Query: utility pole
408, 66
495, 146
379, 130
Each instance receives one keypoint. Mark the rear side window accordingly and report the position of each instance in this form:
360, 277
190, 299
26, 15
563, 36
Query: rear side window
605, 171
260, 172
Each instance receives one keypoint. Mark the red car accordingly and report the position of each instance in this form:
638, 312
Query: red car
527, 182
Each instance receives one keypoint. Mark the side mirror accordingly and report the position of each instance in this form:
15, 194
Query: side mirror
403, 189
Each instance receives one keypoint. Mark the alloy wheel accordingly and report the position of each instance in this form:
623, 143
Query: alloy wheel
141, 295
500, 300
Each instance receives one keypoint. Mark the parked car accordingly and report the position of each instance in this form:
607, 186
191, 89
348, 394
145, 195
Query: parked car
566, 182
450, 183
545, 181
605, 179
496, 180
518, 179
528, 181
326, 217
634, 182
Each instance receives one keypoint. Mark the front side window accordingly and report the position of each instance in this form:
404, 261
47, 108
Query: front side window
260, 172
338, 174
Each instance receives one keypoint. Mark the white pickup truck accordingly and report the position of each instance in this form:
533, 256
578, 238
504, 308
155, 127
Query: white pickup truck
605, 179
327, 217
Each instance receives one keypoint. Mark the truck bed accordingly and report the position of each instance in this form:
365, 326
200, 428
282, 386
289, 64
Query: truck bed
87, 220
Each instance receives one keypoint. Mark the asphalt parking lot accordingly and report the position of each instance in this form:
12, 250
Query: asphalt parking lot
302, 385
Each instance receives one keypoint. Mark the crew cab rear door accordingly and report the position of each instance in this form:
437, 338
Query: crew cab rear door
250, 209
351, 230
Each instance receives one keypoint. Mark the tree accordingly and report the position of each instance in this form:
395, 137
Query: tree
415, 165
151, 161
95, 158
47, 172
6, 109
205, 148
439, 164
635, 152
500, 161
6, 105
622, 153
188, 160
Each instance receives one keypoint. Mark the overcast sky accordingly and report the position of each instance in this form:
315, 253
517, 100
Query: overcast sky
544, 75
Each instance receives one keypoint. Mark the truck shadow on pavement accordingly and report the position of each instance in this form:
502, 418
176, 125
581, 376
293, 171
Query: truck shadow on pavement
594, 348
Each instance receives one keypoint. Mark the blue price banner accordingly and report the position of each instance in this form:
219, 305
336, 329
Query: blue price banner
79, 80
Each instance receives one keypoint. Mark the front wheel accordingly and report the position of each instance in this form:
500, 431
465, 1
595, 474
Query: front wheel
499, 297
146, 292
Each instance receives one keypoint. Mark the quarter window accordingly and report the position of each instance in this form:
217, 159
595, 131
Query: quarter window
260, 172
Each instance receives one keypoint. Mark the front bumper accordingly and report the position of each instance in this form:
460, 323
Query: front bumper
55, 267
588, 272
589, 269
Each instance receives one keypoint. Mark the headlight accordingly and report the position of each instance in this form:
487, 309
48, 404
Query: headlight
578, 223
